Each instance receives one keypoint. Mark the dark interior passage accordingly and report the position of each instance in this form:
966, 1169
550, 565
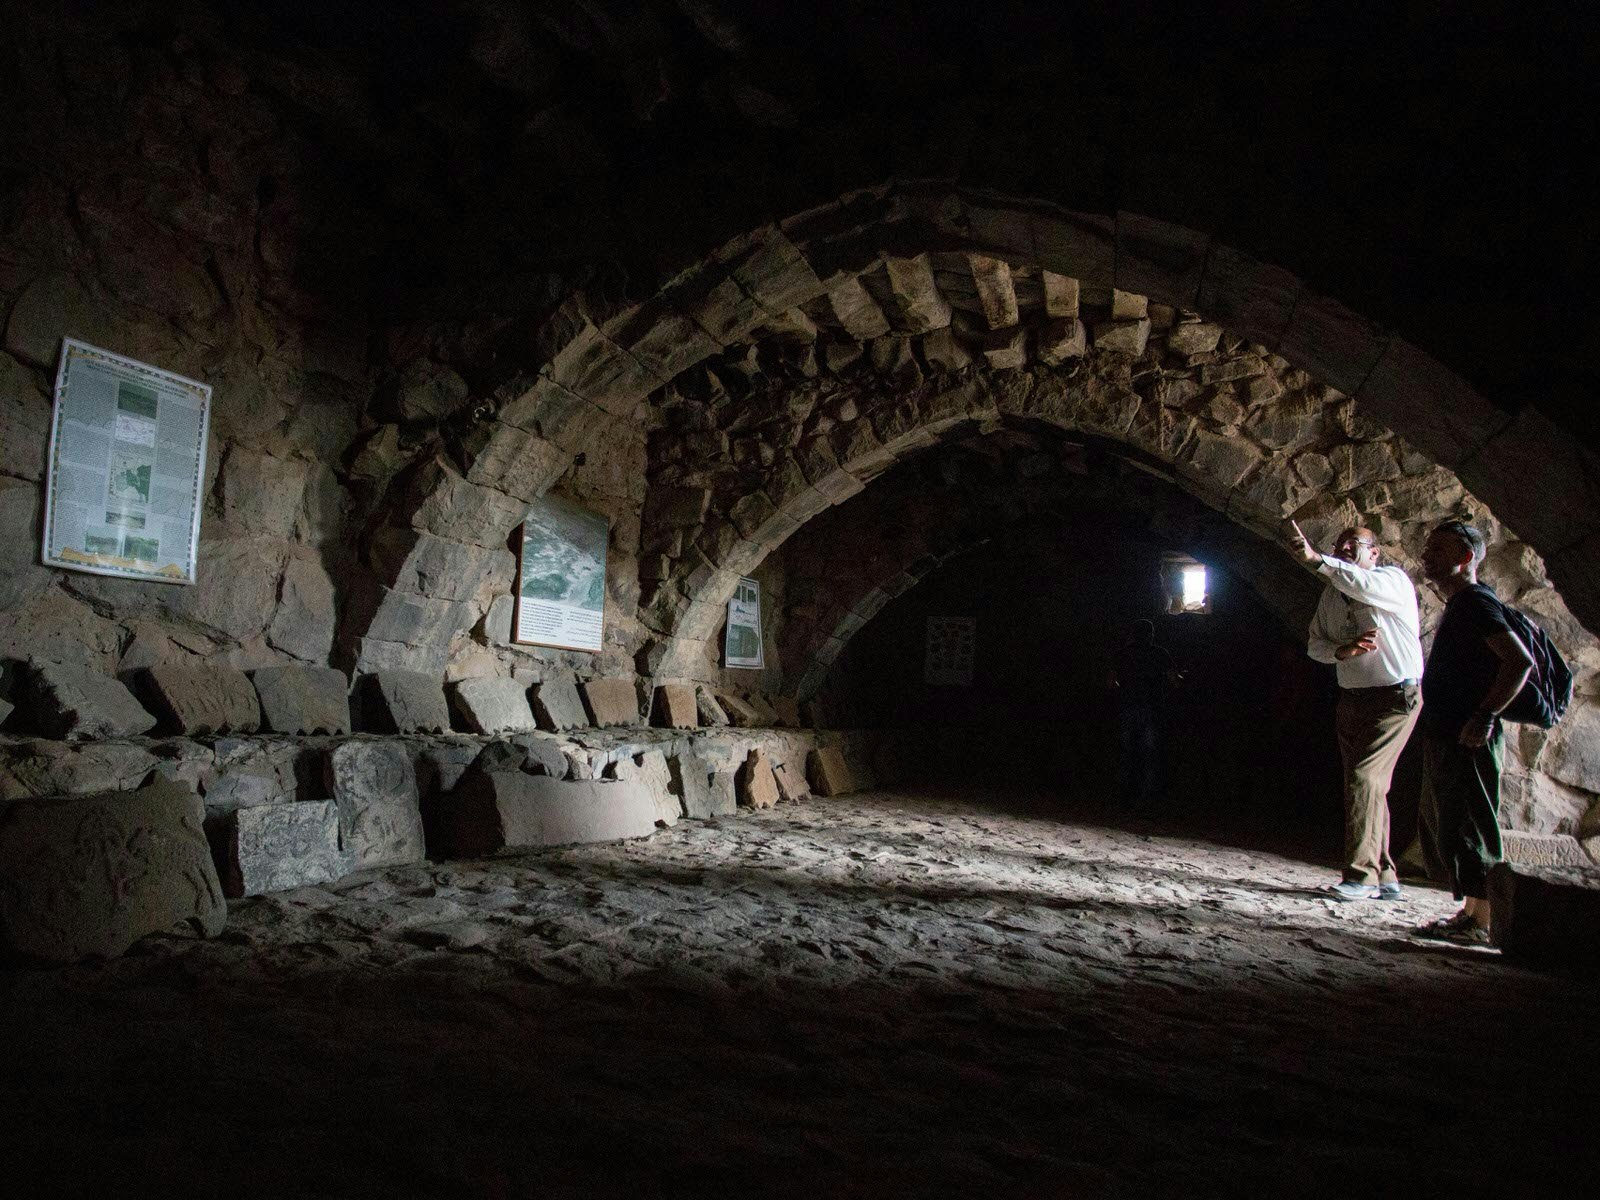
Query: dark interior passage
1246, 733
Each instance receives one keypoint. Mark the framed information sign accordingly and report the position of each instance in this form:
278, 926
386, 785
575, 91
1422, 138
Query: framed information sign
742, 644
561, 577
127, 465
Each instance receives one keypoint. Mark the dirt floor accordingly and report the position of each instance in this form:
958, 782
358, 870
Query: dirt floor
885, 995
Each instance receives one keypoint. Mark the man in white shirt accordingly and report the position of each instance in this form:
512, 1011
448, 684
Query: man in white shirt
1367, 625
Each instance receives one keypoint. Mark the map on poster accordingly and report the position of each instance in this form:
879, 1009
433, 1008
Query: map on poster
561, 576
742, 645
127, 465
952, 642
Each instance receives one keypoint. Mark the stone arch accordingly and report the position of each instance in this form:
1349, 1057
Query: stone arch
1036, 478
565, 385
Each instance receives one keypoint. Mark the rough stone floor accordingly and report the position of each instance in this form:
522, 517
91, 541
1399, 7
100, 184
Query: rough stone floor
885, 995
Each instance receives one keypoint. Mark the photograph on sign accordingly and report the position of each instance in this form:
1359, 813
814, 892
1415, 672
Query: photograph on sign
742, 644
952, 642
561, 577
127, 465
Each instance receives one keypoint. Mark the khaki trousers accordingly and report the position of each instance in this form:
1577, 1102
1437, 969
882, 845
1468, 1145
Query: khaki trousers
1372, 725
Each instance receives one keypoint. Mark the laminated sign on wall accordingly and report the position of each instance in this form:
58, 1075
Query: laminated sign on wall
742, 646
561, 576
127, 463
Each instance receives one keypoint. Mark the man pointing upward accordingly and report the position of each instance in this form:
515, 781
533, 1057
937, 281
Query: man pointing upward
1366, 624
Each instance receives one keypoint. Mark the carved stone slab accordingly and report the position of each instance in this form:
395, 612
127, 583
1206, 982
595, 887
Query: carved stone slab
375, 788
274, 847
757, 786
91, 875
741, 712
557, 705
200, 699
675, 706
611, 702
829, 774
706, 785
75, 703
496, 705
711, 713
410, 702
297, 699
498, 810
791, 784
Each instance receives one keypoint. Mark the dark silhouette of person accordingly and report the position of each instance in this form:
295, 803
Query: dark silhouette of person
1142, 676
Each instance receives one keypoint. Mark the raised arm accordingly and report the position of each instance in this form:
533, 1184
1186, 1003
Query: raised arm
1385, 588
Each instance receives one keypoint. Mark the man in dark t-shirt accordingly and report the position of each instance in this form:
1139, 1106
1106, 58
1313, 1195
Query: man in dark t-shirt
1476, 667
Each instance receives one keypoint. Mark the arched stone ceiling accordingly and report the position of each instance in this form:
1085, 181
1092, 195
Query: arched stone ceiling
851, 561
866, 264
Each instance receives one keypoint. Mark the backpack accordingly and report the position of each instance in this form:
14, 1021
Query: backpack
1548, 692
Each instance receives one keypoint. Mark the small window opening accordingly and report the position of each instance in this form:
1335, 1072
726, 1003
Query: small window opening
1187, 585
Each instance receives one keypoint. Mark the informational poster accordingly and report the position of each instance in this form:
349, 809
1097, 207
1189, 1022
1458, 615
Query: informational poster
742, 646
952, 642
561, 576
127, 465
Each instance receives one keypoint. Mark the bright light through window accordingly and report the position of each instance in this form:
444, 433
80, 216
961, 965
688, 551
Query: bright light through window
1194, 587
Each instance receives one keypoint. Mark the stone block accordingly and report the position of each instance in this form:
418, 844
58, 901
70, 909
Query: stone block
675, 706
1435, 410
558, 706
711, 713
531, 753
302, 699
499, 810
705, 785
741, 713
1335, 345
1061, 338
829, 774
1547, 915
792, 787
1122, 337
409, 702
1543, 849
199, 699
786, 711
757, 787
1247, 296
1194, 337
6, 709
304, 620
493, 705
1157, 258
610, 702
375, 788
46, 768
77, 703
90, 875
274, 847
651, 770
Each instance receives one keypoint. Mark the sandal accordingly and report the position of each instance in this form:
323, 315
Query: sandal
1462, 929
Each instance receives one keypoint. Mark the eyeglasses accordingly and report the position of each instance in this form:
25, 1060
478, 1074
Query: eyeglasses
1354, 542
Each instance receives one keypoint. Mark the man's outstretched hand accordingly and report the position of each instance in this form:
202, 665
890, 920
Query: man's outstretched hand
1303, 545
